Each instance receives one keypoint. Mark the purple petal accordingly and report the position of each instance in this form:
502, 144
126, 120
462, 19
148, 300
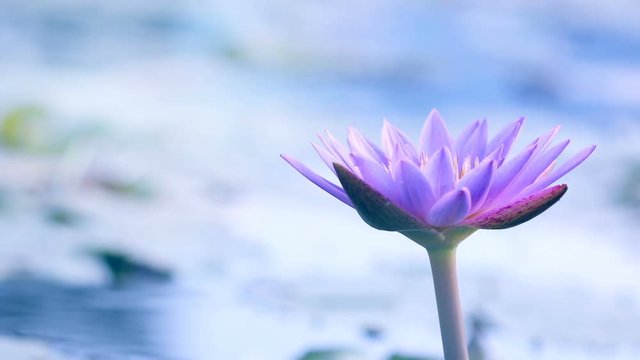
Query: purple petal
475, 145
465, 135
507, 172
544, 140
505, 138
519, 211
374, 208
327, 157
376, 175
337, 149
440, 172
360, 145
534, 168
323, 183
478, 181
417, 189
496, 155
434, 134
381, 156
405, 152
451, 208
558, 172
393, 140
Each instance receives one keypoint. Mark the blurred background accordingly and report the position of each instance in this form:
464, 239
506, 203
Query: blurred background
145, 212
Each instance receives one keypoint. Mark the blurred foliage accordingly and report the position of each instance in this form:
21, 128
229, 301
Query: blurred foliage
481, 324
372, 332
125, 270
134, 189
332, 354
61, 215
22, 128
28, 129
629, 193
409, 357
343, 354
4, 199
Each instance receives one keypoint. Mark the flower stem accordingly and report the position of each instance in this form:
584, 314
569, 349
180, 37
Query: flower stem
445, 281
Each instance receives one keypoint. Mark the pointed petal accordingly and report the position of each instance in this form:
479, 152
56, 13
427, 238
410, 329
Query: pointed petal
533, 169
327, 157
376, 176
434, 134
476, 144
401, 198
451, 208
478, 181
381, 156
374, 208
404, 152
440, 172
544, 140
394, 140
417, 189
337, 149
360, 145
323, 183
508, 172
465, 135
496, 155
519, 211
559, 172
505, 138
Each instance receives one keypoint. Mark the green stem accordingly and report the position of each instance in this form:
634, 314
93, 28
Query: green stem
445, 281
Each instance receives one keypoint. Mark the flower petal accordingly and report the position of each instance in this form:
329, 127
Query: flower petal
405, 152
417, 189
496, 155
376, 176
440, 172
434, 134
534, 168
544, 140
505, 138
451, 208
323, 183
360, 145
327, 157
507, 172
559, 172
475, 145
337, 149
394, 140
465, 135
519, 211
374, 208
478, 181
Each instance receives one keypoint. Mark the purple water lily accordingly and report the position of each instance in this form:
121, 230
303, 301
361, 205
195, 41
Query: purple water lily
441, 191
442, 183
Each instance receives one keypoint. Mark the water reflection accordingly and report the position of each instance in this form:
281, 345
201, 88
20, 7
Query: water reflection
87, 321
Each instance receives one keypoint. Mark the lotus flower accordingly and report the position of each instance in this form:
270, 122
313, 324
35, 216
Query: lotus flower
441, 191
444, 187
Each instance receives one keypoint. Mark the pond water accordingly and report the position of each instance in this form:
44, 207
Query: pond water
145, 212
